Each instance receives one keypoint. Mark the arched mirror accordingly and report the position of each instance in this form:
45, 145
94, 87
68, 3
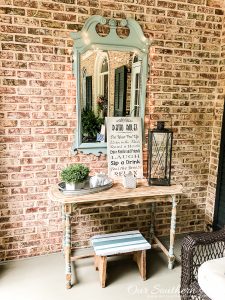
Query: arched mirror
111, 74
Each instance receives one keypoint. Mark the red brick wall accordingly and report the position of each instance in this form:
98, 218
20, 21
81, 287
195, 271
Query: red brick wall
216, 135
38, 113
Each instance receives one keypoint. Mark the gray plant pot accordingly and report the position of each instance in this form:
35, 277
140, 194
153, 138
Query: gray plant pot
75, 186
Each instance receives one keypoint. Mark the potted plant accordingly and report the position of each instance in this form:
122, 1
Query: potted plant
75, 176
91, 125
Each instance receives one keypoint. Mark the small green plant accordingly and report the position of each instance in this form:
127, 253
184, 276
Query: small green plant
75, 173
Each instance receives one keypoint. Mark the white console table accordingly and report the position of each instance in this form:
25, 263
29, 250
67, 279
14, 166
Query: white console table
117, 195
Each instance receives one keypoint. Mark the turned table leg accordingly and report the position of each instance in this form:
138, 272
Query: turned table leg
171, 257
67, 244
64, 228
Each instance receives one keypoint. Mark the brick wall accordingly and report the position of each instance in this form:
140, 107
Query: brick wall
216, 135
38, 113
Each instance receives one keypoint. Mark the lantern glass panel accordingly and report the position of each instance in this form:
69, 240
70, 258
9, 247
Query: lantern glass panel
160, 150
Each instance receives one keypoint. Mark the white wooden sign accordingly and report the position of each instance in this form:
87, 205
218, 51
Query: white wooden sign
124, 146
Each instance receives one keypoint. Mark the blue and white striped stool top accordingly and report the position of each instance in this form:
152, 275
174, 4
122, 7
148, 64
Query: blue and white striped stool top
118, 243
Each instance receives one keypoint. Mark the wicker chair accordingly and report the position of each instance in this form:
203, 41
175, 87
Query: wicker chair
196, 249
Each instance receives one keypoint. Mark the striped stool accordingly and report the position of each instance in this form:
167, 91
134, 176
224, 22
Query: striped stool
131, 242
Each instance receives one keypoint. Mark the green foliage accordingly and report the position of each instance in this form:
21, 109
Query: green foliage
75, 173
91, 124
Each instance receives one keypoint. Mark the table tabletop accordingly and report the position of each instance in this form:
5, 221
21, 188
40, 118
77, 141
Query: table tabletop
117, 192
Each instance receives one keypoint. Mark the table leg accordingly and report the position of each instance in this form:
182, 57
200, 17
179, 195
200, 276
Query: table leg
171, 257
64, 228
67, 244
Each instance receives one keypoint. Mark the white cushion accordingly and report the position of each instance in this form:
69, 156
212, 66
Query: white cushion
211, 278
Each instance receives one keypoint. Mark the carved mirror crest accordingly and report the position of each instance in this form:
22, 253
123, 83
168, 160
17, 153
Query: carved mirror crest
111, 74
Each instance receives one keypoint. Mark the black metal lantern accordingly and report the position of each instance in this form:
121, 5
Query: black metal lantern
159, 155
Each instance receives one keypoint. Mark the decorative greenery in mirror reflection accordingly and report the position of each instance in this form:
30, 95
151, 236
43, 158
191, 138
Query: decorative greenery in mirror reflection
91, 125
102, 106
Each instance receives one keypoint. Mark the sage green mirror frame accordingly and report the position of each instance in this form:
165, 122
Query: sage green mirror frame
89, 39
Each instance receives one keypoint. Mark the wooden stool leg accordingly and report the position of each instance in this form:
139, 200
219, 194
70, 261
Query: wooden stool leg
102, 263
96, 262
140, 258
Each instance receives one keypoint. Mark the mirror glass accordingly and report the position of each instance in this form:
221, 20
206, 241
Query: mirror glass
109, 86
110, 63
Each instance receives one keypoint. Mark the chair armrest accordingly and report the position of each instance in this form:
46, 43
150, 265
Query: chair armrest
195, 250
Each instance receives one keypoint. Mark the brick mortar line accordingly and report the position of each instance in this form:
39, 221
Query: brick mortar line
183, 64
52, 12
39, 44
156, 17
67, 5
69, 39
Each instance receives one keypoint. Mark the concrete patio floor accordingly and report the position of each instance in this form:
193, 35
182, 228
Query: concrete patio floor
42, 278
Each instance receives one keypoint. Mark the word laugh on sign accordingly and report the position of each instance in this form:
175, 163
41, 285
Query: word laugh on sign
124, 146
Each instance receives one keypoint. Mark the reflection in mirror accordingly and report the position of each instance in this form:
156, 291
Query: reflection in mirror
111, 70
110, 86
